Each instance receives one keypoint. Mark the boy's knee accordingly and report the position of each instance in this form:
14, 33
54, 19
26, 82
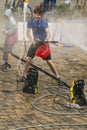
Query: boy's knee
28, 60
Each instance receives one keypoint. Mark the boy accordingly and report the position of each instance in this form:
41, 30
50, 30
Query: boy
40, 30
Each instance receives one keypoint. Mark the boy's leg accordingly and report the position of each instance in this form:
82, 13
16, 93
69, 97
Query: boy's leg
30, 56
53, 68
27, 66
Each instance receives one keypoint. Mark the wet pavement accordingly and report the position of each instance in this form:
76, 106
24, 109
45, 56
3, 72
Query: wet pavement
46, 110
20, 110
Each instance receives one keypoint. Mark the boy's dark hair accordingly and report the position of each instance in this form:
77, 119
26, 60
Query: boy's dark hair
37, 10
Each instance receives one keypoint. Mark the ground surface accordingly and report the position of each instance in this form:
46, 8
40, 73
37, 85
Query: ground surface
19, 110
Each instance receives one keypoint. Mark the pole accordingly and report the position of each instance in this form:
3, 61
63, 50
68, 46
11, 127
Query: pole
24, 19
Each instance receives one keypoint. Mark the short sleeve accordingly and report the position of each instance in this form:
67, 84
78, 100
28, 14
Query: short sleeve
29, 23
45, 24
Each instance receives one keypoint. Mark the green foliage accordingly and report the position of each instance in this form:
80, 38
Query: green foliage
63, 9
66, 10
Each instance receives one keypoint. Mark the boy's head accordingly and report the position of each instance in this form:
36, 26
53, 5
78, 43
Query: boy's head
8, 13
37, 10
37, 13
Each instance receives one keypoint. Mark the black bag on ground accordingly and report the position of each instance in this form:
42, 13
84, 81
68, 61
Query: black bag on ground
77, 93
31, 84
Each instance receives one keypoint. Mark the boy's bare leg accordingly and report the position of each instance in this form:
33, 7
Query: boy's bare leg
53, 68
9, 58
27, 66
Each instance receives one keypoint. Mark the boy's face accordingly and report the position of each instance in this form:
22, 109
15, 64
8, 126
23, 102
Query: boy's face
37, 17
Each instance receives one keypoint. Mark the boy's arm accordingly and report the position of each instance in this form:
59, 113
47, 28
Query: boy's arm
48, 34
29, 36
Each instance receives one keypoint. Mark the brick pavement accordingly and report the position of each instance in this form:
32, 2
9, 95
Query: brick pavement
16, 110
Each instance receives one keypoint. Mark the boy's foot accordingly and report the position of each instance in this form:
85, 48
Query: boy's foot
22, 79
60, 82
2, 66
6, 68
